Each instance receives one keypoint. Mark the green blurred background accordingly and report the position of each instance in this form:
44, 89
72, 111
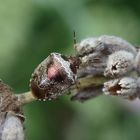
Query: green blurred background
30, 30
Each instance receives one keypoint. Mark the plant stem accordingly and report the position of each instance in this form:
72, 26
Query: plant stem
26, 97
90, 80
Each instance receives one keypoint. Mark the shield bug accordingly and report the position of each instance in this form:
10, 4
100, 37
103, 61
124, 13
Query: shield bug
53, 76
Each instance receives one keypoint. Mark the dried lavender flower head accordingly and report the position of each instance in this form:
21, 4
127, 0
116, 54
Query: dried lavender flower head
119, 63
94, 52
53, 76
126, 87
103, 43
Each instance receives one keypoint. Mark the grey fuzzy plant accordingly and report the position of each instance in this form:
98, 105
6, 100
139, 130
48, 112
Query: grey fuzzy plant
105, 64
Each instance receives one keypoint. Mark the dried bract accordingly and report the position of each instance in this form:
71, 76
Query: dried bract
119, 63
125, 87
8, 101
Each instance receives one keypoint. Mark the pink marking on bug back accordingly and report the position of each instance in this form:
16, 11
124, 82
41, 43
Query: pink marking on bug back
52, 72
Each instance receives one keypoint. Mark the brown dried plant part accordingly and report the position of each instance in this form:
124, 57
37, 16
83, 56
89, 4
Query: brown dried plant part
125, 87
11, 115
8, 101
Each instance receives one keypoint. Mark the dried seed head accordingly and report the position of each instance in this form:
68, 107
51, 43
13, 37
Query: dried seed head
125, 87
94, 52
53, 76
119, 63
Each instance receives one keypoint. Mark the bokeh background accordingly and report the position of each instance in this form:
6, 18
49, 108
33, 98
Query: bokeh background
31, 29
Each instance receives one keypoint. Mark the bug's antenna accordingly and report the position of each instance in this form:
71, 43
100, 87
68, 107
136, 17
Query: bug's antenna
74, 37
